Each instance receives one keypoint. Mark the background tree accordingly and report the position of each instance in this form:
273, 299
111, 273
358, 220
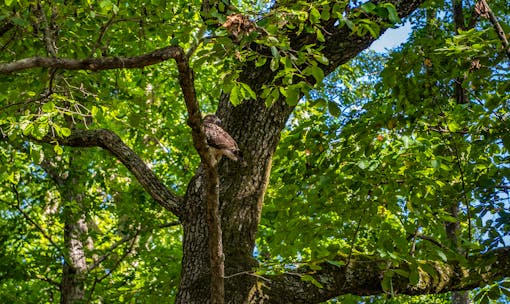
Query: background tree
382, 183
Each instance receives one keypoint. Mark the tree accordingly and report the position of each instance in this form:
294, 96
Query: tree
91, 86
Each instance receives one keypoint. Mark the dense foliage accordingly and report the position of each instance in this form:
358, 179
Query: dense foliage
400, 157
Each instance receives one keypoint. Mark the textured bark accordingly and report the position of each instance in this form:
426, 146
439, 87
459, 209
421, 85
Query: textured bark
74, 268
93, 64
483, 9
363, 277
211, 182
111, 142
74, 271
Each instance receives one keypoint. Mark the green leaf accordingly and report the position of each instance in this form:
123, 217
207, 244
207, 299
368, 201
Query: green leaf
274, 52
436, 163
371, 27
453, 126
58, 149
20, 22
319, 34
292, 94
368, 7
336, 263
334, 109
401, 272
441, 254
66, 132
274, 64
309, 278
386, 282
363, 164
321, 59
28, 129
49, 107
260, 61
414, 277
392, 12
317, 73
315, 15
235, 95
247, 89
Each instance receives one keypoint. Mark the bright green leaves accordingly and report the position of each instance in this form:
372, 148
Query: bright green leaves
315, 71
275, 60
241, 91
314, 16
473, 43
296, 72
108, 5
379, 16
311, 279
390, 12
292, 93
492, 293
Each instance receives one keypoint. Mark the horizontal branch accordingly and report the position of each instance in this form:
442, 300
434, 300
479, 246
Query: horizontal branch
93, 64
363, 276
110, 141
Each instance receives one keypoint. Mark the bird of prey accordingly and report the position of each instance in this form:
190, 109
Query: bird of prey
219, 141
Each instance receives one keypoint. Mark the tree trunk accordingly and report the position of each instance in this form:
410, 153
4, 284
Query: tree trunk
257, 129
75, 266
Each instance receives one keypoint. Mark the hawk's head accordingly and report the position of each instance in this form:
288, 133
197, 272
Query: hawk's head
212, 119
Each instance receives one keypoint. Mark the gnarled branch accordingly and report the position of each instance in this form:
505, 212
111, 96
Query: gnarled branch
363, 276
110, 141
93, 64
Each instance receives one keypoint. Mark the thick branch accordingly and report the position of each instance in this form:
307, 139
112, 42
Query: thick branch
341, 45
212, 181
93, 64
484, 10
110, 141
363, 276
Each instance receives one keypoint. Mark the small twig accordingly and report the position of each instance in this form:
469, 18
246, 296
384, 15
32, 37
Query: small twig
52, 282
102, 32
124, 255
432, 240
28, 218
251, 273
125, 239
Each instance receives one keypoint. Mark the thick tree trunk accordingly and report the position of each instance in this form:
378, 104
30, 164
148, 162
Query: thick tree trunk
257, 129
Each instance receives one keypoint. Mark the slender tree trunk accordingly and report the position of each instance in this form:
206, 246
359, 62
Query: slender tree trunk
75, 267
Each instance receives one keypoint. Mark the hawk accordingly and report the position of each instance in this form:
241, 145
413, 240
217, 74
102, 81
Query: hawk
219, 141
